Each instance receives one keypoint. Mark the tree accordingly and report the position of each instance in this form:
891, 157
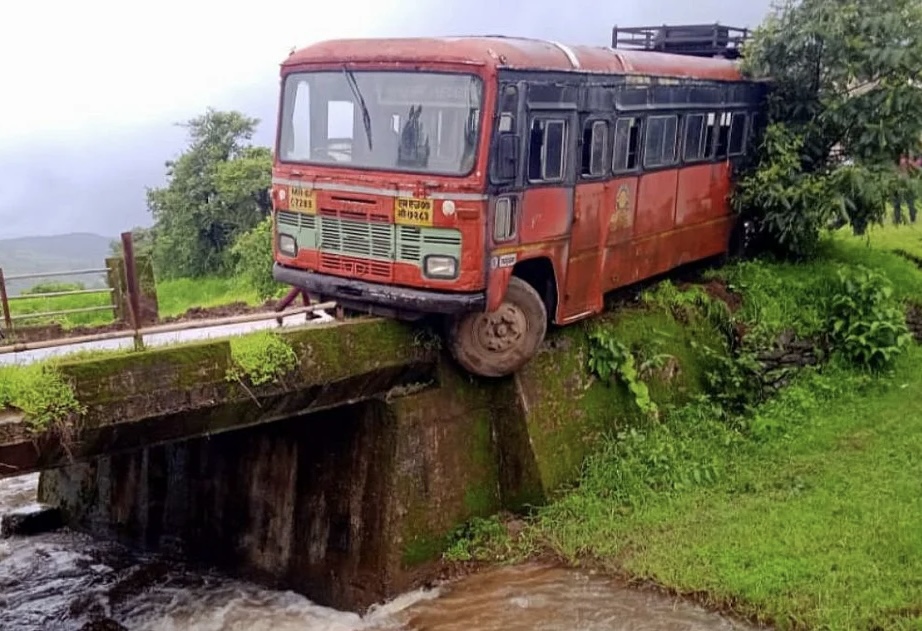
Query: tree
212, 195
844, 104
143, 239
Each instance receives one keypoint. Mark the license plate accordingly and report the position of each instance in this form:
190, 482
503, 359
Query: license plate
413, 212
302, 200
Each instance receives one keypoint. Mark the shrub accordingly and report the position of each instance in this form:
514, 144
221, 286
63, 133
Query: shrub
864, 322
253, 259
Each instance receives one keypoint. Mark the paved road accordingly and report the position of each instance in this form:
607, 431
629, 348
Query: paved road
161, 339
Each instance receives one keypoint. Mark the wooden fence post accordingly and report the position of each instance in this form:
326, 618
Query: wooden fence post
5, 305
149, 310
115, 277
131, 283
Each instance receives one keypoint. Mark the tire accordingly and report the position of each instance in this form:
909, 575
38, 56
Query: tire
498, 344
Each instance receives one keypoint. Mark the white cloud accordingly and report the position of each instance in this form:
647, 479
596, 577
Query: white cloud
67, 66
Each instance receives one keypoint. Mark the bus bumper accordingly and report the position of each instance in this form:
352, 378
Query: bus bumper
379, 299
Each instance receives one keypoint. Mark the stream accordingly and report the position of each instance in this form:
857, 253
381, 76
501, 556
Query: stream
63, 581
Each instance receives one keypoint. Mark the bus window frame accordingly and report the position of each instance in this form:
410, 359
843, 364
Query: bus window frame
744, 137
566, 148
670, 164
702, 139
607, 148
641, 123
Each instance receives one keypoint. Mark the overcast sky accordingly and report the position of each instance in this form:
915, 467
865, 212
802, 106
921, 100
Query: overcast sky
91, 90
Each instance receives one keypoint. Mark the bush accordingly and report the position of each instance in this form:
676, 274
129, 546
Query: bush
253, 259
864, 322
793, 205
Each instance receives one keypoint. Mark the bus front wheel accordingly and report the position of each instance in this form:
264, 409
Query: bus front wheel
498, 344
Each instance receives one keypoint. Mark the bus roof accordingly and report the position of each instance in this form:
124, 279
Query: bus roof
516, 53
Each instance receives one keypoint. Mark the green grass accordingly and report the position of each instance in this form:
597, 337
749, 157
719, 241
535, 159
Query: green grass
174, 297
805, 513
62, 303
814, 526
791, 295
906, 237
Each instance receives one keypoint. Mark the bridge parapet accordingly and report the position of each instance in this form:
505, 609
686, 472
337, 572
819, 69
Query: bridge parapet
140, 399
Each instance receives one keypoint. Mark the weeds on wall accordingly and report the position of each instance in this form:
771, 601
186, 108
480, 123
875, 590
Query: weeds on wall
45, 398
261, 358
609, 359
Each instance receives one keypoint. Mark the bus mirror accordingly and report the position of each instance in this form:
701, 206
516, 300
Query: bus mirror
507, 154
263, 200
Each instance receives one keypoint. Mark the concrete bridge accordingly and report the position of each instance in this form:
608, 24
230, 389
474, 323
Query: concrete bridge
341, 479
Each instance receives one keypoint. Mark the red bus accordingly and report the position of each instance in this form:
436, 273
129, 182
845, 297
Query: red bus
504, 184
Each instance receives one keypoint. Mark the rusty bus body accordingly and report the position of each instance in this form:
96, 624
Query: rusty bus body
503, 183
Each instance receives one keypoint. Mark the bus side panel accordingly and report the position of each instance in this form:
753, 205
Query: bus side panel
583, 286
619, 231
718, 238
695, 202
720, 189
656, 203
546, 214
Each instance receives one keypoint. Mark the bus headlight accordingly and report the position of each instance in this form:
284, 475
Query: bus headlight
440, 266
287, 245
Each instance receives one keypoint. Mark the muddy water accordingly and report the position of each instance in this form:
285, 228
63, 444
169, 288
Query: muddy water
64, 581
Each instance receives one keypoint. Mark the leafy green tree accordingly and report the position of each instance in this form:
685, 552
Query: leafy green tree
211, 197
143, 239
843, 106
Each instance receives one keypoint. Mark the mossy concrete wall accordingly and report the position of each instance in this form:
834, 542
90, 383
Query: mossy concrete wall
350, 505
138, 399
344, 505
563, 410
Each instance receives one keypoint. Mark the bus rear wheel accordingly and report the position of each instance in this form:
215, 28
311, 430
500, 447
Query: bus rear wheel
498, 344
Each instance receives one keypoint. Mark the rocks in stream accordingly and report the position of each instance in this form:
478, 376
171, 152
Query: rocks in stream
106, 624
30, 520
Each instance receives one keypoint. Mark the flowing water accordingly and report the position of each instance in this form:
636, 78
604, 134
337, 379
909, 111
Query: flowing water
64, 580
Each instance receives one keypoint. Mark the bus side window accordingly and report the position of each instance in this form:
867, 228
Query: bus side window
626, 145
595, 144
737, 142
660, 142
695, 144
546, 150
723, 135
710, 135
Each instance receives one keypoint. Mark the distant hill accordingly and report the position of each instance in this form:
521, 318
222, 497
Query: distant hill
58, 253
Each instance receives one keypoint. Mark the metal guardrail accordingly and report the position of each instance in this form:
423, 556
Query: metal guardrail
5, 299
138, 334
131, 315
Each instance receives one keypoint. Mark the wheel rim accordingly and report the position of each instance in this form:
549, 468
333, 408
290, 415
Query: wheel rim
501, 331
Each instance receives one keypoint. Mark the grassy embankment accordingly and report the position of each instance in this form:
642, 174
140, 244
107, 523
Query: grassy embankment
175, 297
805, 511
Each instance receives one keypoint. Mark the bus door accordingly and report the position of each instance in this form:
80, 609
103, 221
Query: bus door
593, 197
621, 267
655, 216
547, 202
696, 203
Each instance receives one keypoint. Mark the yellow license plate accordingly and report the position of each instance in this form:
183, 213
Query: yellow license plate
302, 200
413, 212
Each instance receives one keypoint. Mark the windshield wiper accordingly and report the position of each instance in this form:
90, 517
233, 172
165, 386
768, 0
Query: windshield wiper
366, 117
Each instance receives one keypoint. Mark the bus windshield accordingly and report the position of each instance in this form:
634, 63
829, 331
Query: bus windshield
402, 121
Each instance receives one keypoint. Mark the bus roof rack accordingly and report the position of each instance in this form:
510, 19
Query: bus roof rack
699, 40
